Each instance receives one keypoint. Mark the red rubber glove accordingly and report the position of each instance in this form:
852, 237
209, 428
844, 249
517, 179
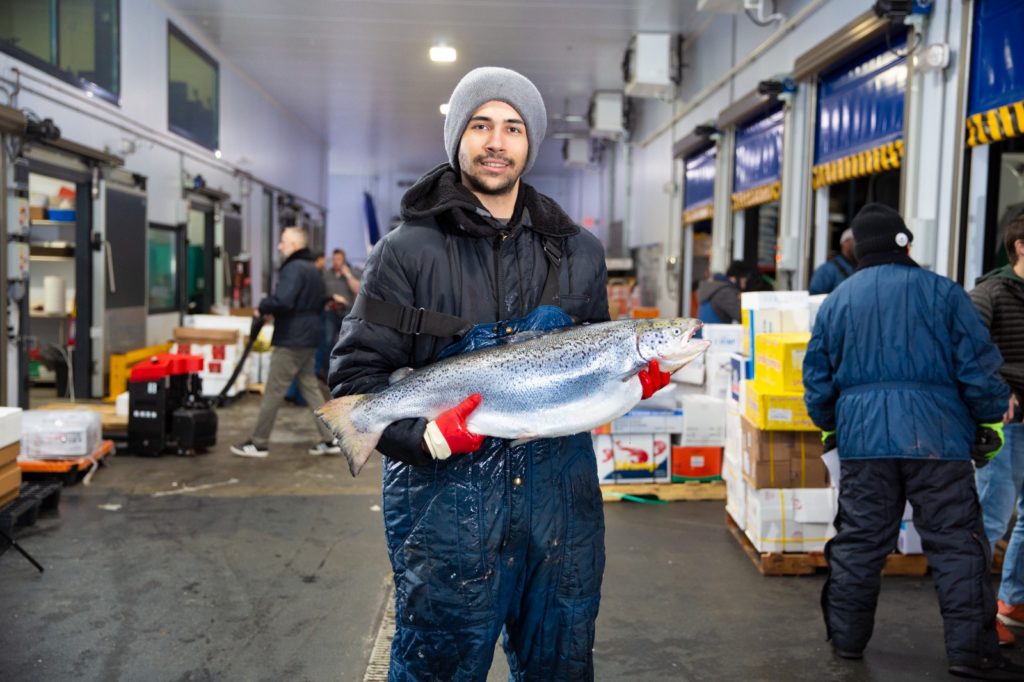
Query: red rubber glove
653, 379
448, 434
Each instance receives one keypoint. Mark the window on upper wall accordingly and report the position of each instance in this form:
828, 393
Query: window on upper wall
193, 90
78, 41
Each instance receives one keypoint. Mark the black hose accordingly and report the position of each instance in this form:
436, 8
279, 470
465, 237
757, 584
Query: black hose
254, 331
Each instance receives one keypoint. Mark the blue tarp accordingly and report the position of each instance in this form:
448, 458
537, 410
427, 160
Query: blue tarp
759, 152
997, 55
860, 104
699, 183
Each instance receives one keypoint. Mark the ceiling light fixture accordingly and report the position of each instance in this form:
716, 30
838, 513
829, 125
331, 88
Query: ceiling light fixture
216, 153
442, 53
444, 109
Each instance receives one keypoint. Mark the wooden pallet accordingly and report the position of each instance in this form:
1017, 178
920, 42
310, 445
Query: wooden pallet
257, 388
24, 510
666, 492
808, 563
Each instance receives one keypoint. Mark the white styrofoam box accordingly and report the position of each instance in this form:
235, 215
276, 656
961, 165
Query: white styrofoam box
814, 505
909, 540
212, 386
703, 421
649, 421
665, 399
908, 512
605, 454
773, 300
49, 434
735, 496
766, 312
641, 457
816, 535
121, 405
692, 373
10, 425
732, 451
718, 374
239, 323
724, 338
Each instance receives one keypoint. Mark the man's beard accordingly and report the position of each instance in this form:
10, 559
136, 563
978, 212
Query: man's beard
477, 185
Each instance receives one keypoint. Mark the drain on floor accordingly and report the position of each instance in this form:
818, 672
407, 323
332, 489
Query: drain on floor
380, 656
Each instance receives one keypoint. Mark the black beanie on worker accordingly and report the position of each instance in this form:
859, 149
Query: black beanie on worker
880, 236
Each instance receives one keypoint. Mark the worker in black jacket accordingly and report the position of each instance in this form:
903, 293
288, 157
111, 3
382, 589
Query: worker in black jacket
484, 535
295, 304
999, 298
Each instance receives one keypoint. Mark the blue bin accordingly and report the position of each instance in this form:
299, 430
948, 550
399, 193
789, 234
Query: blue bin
67, 214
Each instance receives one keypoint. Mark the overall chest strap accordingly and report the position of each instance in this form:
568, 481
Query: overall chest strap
416, 321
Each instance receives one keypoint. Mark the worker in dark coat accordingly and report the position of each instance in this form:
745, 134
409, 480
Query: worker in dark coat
901, 375
485, 536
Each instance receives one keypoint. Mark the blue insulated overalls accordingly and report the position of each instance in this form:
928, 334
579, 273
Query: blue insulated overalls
509, 538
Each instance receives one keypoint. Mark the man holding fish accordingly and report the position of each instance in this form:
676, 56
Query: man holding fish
448, 366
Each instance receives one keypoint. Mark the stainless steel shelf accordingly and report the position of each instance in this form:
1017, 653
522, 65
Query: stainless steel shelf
53, 223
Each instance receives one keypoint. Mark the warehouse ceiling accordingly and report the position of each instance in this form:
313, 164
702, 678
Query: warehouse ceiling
357, 72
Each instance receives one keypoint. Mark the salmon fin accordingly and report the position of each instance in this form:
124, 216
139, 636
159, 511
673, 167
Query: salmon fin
400, 374
357, 445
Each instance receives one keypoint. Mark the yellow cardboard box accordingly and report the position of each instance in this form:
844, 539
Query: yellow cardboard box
779, 361
776, 411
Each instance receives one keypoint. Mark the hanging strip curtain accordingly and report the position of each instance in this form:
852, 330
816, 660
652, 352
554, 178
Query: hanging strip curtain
860, 115
758, 161
995, 109
699, 186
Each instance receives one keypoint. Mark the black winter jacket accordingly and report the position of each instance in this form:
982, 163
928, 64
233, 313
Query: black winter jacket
296, 303
999, 298
452, 257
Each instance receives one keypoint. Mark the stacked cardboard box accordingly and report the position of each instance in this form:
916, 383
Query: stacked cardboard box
221, 350
790, 520
10, 445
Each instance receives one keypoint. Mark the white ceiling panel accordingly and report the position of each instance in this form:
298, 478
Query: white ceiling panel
357, 71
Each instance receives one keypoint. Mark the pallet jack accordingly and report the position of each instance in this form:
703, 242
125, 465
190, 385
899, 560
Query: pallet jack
166, 409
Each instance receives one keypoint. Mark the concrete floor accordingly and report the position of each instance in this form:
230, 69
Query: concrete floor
282, 575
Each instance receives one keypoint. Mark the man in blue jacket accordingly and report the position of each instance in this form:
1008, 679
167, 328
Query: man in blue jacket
835, 270
295, 304
901, 374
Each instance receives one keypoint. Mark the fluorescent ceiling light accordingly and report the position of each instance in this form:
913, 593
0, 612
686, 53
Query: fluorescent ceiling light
217, 153
444, 109
442, 53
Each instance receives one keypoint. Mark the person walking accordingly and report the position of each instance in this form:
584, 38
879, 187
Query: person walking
295, 304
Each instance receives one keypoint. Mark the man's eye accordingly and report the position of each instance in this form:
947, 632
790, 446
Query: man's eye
513, 129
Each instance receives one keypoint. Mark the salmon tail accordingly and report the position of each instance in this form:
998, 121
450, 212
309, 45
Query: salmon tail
356, 444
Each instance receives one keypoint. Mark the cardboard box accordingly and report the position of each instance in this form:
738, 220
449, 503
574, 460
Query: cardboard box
10, 425
10, 480
776, 411
741, 370
605, 459
211, 336
703, 421
649, 421
696, 463
9, 453
779, 361
782, 459
732, 451
772, 311
771, 525
735, 495
909, 540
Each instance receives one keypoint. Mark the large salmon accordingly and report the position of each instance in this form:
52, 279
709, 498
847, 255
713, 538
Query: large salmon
557, 384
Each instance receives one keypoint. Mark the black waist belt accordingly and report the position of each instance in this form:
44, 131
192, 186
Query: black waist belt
416, 321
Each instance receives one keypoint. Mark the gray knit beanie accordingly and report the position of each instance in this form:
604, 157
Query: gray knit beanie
487, 83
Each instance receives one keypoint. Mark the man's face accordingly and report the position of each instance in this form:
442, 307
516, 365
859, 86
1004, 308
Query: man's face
337, 261
288, 245
493, 149
848, 248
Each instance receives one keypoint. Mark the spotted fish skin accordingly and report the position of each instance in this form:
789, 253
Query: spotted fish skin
558, 384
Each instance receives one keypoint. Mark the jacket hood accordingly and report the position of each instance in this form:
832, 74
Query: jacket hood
1005, 272
301, 254
439, 194
709, 287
